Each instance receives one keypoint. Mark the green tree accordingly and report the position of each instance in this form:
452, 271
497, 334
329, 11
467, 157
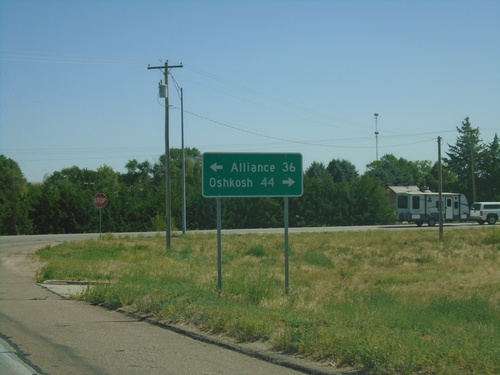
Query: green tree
463, 157
449, 179
316, 206
390, 171
13, 203
371, 202
262, 212
138, 174
139, 196
490, 181
63, 203
60, 207
342, 170
420, 171
114, 215
343, 204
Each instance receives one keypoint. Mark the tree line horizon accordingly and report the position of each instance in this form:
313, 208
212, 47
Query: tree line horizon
333, 195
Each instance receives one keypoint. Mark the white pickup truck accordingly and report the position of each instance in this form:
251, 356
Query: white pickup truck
485, 212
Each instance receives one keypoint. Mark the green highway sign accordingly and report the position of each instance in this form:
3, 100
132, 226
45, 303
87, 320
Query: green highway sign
252, 175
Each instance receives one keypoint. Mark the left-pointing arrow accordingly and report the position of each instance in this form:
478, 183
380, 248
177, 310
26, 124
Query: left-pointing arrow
288, 182
215, 167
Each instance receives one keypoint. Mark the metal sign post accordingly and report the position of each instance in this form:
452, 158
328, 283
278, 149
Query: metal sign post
287, 278
100, 201
219, 246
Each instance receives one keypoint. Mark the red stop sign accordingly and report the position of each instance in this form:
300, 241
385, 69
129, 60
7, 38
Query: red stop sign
100, 200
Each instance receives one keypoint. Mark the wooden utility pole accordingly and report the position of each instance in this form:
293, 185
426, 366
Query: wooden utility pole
164, 93
440, 178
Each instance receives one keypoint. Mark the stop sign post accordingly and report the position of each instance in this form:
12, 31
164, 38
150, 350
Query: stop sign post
100, 201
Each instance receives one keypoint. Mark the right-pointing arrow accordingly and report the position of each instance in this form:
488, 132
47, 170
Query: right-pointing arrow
288, 182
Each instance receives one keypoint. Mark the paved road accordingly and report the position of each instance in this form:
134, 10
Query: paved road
47, 239
53, 335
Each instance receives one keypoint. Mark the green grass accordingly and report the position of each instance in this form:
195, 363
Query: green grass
391, 302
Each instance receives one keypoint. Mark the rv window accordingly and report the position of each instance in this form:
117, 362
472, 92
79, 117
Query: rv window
448, 203
416, 203
402, 201
456, 205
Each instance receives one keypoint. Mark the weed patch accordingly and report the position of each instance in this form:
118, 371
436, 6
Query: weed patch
317, 258
257, 251
492, 238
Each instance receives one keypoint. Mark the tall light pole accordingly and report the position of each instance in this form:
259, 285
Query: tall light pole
183, 167
183, 157
164, 93
376, 134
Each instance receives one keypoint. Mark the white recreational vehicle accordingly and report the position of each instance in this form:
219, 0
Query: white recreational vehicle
420, 206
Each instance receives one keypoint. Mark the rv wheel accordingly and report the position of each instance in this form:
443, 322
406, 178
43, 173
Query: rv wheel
431, 222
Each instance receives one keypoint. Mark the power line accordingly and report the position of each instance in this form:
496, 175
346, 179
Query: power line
33, 56
308, 143
58, 58
275, 100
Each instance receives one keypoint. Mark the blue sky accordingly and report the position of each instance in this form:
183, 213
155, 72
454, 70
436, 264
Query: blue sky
258, 76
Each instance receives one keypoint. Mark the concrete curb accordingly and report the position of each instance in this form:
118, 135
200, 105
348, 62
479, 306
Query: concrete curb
12, 361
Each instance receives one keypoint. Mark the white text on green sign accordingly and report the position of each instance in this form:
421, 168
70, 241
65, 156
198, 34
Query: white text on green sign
252, 174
